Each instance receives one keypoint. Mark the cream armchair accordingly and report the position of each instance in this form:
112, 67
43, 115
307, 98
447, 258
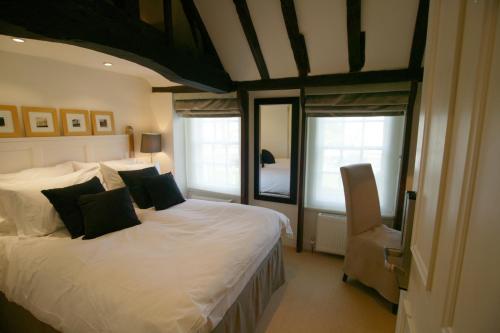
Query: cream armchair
367, 237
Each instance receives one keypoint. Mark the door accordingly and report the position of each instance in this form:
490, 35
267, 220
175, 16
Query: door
454, 279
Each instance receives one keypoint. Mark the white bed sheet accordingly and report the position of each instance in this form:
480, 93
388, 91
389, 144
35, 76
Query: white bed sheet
275, 178
179, 271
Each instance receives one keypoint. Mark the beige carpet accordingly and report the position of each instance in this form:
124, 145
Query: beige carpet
314, 299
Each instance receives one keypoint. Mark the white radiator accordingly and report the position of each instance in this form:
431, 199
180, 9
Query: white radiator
331, 233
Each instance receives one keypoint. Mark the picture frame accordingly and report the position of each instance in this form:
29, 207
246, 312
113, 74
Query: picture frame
103, 122
9, 122
75, 122
40, 121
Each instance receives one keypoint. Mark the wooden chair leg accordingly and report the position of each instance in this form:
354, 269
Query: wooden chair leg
395, 308
344, 278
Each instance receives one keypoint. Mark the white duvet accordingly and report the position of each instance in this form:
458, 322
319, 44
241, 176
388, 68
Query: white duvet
179, 271
275, 178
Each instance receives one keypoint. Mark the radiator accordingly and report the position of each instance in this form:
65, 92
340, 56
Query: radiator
331, 233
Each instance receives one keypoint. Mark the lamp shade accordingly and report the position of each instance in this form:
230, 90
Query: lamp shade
151, 143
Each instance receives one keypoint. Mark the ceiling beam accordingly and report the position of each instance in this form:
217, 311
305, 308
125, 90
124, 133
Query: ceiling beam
399, 75
175, 89
199, 31
355, 37
419, 36
167, 22
297, 40
100, 26
251, 35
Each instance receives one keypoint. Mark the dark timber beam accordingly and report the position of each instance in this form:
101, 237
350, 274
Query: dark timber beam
199, 31
355, 37
176, 89
131, 7
100, 26
302, 171
398, 220
251, 35
297, 40
167, 22
398, 75
245, 127
419, 36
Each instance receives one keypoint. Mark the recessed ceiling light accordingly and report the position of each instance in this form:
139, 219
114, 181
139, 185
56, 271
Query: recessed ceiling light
107, 64
18, 40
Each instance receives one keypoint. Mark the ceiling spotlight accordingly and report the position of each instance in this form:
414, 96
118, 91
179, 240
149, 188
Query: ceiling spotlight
107, 64
18, 40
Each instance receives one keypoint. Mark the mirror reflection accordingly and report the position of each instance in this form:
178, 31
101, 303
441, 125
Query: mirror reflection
275, 144
276, 149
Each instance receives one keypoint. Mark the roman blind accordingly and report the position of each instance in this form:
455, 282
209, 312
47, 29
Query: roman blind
363, 101
206, 105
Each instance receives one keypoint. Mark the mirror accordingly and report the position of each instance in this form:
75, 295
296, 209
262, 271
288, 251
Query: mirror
276, 149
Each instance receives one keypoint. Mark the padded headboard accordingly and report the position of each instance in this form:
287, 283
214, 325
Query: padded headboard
23, 153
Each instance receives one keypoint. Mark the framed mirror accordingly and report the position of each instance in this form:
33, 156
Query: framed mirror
276, 122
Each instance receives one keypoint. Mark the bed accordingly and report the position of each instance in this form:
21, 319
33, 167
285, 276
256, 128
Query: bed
180, 271
275, 178
199, 266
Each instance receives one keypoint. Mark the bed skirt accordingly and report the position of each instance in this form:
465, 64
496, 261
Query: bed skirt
241, 317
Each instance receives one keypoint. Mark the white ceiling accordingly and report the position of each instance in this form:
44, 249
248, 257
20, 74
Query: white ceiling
388, 24
82, 57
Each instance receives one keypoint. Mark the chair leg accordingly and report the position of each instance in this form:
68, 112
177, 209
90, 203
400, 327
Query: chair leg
395, 309
344, 278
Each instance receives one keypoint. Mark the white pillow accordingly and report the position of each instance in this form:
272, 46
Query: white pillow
38, 173
23, 204
77, 166
110, 171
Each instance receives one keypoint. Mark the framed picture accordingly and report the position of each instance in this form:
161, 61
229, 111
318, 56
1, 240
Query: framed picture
103, 122
40, 121
9, 122
75, 122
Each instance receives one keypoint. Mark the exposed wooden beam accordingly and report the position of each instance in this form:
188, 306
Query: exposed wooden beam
199, 31
100, 26
243, 99
331, 80
302, 171
131, 7
176, 89
251, 35
355, 37
167, 22
297, 40
419, 36
405, 156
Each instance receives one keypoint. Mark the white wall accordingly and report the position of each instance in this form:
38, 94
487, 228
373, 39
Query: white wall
35, 81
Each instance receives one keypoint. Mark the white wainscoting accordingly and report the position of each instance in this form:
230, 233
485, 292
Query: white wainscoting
23, 153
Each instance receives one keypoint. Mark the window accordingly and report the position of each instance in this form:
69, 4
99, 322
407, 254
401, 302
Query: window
213, 154
337, 141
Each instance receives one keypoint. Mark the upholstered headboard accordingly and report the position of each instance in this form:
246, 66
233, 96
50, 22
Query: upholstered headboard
22, 153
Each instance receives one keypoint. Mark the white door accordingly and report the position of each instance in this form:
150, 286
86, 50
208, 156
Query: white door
455, 274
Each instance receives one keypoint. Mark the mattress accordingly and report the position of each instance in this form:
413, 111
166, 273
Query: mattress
179, 271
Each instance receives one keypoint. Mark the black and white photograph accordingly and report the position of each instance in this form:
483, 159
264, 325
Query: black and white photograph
42, 122
75, 122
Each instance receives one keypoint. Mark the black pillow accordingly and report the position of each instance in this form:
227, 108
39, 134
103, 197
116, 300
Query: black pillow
107, 212
65, 201
134, 180
164, 191
267, 157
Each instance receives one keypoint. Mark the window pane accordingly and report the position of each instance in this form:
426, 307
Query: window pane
213, 148
337, 141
